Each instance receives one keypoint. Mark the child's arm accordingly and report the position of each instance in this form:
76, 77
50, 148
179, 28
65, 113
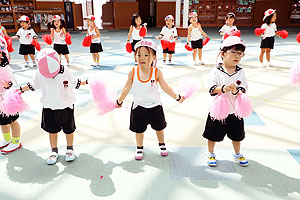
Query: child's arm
52, 33
125, 89
64, 31
166, 88
202, 32
4, 31
98, 33
161, 34
130, 33
189, 33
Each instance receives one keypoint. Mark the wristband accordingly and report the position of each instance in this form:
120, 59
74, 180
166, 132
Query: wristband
9, 85
119, 103
222, 89
179, 97
86, 81
21, 89
235, 93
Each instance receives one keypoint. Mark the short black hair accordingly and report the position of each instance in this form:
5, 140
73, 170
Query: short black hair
134, 16
267, 20
62, 24
230, 15
237, 47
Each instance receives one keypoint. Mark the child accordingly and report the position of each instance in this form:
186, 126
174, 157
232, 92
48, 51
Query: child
228, 26
25, 35
222, 79
9, 144
147, 107
268, 37
195, 33
134, 31
57, 84
58, 34
96, 45
168, 33
2, 30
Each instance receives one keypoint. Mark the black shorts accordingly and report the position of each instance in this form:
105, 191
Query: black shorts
168, 51
61, 49
140, 117
198, 44
53, 121
96, 48
216, 130
26, 49
268, 42
133, 44
5, 120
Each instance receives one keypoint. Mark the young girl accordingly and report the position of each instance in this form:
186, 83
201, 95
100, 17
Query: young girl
222, 79
58, 34
57, 84
25, 35
96, 45
195, 33
268, 37
9, 144
168, 33
147, 107
134, 31
2, 29
228, 26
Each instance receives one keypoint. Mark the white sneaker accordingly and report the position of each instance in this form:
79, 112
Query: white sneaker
11, 148
34, 65
163, 150
240, 159
70, 155
201, 62
195, 62
68, 64
139, 154
270, 65
52, 158
164, 61
211, 160
170, 61
27, 65
261, 64
4, 143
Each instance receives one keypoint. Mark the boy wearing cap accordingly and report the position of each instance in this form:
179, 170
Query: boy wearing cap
25, 35
168, 33
57, 84
227, 78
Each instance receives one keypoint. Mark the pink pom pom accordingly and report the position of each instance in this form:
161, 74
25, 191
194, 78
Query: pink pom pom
9, 43
220, 108
284, 34
104, 100
259, 31
189, 87
36, 44
298, 37
68, 39
87, 41
205, 41
4, 76
164, 44
143, 31
187, 47
295, 73
171, 46
47, 38
243, 106
12, 103
128, 47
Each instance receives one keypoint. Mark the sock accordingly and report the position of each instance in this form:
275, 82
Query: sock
27, 62
55, 149
142, 147
15, 140
34, 62
98, 62
162, 144
7, 136
70, 147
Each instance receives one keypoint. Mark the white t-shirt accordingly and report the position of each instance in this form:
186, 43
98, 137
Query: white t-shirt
93, 33
145, 92
26, 36
196, 33
169, 34
57, 93
59, 37
136, 33
227, 29
218, 77
270, 30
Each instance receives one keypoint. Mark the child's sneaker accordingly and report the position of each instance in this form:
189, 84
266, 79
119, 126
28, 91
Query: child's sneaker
163, 150
139, 154
4, 143
262, 64
201, 62
240, 159
52, 158
170, 61
211, 160
70, 155
34, 66
164, 61
11, 148
27, 65
68, 63
270, 64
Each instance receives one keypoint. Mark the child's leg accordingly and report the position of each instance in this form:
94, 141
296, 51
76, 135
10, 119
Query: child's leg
236, 146
200, 54
54, 150
26, 58
160, 136
139, 137
70, 155
33, 60
211, 146
97, 57
261, 56
94, 57
70, 139
165, 56
67, 58
194, 54
170, 56
161, 143
15, 130
6, 132
59, 57
268, 54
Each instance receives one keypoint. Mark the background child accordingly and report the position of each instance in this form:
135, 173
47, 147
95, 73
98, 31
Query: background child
195, 33
9, 144
268, 37
168, 33
134, 31
222, 79
147, 107
2, 29
228, 27
57, 84
58, 34
96, 45
25, 35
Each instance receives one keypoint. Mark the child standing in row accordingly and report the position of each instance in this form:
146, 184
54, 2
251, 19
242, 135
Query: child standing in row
222, 79
195, 33
96, 45
134, 32
57, 84
229, 26
168, 33
25, 35
11, 140
58, 34
2, 30
147, 107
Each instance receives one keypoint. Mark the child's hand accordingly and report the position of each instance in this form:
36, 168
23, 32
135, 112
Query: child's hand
118, 104
157, 37
182, 99
227, 88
